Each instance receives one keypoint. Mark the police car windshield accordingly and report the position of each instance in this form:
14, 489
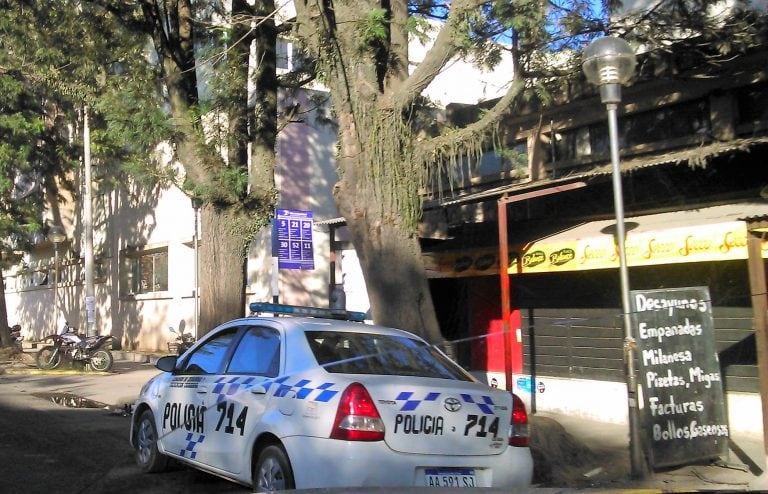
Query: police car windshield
370, 353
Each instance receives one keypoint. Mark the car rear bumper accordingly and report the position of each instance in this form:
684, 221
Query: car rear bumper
319, 462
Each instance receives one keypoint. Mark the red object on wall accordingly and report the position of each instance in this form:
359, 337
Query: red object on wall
488, 330
495, 354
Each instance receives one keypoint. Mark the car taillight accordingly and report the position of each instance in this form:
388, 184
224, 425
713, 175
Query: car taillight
518, 428
357, 418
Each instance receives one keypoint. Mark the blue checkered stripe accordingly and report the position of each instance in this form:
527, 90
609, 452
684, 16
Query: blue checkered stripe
411, 403
304, 389
484, 403
192, 441
228, 386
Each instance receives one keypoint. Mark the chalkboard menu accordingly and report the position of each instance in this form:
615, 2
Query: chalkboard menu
683, 413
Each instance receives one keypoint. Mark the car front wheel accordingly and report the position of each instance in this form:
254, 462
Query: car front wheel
272, 471
148, 456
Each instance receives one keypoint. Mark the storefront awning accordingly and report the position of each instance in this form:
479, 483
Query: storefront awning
708, 234
715, 233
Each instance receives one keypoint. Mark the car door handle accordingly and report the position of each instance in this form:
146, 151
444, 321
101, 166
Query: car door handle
202, 390
259, 389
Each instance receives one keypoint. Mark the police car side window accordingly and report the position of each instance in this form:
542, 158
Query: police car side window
209, 357
257, 353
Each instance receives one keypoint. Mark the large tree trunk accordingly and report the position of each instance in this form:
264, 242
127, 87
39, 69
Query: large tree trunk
386, 244
381, 179
222, 264
394, 274
231, 215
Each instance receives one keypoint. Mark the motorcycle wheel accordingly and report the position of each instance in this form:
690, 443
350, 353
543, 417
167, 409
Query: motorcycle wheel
46, 359
101, 360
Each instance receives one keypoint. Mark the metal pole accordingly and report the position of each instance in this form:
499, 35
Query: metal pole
635, 450
56, 281
506, 305
90, 308
197, 277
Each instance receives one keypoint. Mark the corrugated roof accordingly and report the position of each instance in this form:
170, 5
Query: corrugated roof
331, 222
694, 156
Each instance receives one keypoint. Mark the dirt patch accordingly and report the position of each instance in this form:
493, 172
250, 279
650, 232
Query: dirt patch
562, 460
14, 355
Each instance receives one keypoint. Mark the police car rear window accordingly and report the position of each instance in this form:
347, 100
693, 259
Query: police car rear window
367, 353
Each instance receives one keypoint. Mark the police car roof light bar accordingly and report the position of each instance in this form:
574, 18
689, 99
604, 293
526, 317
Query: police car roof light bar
298, 310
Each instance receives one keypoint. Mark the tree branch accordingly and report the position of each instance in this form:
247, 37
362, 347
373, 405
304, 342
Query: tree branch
478, 129
443, 49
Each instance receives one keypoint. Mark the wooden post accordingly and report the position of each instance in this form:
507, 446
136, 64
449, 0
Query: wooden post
757, 285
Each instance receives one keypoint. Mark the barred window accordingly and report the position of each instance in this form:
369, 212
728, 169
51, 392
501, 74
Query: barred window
144, 271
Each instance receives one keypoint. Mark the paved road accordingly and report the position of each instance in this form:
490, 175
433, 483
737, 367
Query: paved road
47, 447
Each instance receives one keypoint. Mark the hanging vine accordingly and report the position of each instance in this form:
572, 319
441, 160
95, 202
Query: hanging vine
399, 173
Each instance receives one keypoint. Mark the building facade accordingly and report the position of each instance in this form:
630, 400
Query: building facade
693, 162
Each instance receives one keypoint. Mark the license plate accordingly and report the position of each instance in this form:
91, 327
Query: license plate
449, 477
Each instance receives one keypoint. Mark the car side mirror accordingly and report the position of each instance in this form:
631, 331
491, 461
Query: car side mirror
166, 363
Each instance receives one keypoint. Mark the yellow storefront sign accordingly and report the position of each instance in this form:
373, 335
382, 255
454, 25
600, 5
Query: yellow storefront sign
711, 242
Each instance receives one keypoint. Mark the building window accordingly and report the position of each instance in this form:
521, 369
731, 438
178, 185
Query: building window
290, 57
569, 145
752, 102
284, 49
145, 271
657, 126
664, 124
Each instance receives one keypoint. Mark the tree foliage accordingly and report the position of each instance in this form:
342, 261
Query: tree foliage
35, 155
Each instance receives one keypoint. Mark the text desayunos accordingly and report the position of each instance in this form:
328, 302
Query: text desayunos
645, 304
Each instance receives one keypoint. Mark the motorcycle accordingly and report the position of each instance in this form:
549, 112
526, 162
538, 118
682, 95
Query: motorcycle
15, 332
69, 345
181, 342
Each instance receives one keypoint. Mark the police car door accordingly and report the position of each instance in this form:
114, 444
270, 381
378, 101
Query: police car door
238, 399
184, 409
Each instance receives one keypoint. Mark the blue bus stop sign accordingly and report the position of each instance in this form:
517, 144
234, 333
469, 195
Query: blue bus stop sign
293, 235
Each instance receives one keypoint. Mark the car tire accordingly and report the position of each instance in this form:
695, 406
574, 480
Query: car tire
148, 457
272, 470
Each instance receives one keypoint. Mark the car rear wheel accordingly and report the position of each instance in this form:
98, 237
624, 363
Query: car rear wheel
272, 471
148, 456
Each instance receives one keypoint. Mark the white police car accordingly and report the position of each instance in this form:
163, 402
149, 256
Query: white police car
302, 402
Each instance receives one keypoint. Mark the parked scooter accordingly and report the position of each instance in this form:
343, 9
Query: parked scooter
180, 342
69, 345
15, 332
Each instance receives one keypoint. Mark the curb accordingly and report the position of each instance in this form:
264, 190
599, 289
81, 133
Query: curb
20, 368
52, 372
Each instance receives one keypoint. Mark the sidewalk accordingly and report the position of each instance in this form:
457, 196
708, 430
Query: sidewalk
569, 452
116, 389
595, 455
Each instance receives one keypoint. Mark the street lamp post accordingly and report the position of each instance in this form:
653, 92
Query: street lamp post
56, 235
608, 63
196, 204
